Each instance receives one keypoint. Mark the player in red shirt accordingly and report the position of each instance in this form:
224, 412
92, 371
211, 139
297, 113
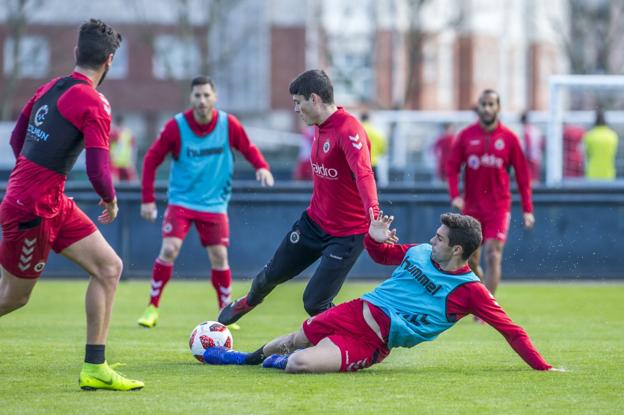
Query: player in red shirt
442, 150
64, 116
200, 141
486, 150
333, 226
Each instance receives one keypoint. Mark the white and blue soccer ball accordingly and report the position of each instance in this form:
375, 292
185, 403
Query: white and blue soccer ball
209, 334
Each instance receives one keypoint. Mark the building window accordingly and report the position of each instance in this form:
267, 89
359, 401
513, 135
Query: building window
175, 57
119, 68
33, 57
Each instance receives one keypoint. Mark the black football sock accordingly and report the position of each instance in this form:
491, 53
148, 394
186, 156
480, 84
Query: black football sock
255, 358
94, 353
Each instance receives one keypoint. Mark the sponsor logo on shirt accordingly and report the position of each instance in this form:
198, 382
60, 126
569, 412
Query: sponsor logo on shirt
474, 142
41, 114
322, 171
203, 152
37, 133
486, 160
420, 276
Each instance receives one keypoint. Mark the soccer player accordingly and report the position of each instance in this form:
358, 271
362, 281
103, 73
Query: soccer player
65, 115
200, 141
431, 289
486, 150
333, 226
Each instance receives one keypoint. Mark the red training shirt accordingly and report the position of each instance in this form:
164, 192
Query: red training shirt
344, 185
36, 189
487, 157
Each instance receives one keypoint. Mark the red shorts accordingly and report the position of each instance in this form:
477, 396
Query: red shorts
27, 238
213, 228
360, 347
493, 226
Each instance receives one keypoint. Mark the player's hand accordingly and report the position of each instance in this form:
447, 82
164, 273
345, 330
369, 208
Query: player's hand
265, 177
458, 203
529, 220
149, 211
379, 228
109, 213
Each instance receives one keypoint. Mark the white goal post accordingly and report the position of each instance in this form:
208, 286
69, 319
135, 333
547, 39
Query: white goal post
558, 85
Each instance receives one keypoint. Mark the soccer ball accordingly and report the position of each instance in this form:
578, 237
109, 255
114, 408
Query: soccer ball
209, 334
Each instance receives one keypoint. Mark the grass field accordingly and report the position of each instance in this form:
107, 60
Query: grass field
469, 369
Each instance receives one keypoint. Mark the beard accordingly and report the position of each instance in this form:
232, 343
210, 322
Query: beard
488, 122
103, 77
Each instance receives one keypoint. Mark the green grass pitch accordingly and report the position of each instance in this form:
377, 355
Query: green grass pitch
469, 369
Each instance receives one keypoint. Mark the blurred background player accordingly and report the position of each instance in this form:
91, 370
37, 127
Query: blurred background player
486, 150
442, 149
532, 145
123, 152
600, 144
333, 226
573, 157
378, 142
200, 141
303, 169
64, 116
431, 289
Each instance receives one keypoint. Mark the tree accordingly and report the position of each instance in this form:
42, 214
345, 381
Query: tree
17, 20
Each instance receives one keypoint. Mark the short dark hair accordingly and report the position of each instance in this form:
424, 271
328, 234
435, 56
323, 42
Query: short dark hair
202, 80
464, 231
490, 91
314, 81
600, 117
96, 41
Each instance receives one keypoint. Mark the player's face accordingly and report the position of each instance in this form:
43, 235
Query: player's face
488, 109
441, 252
203, 98
306, 108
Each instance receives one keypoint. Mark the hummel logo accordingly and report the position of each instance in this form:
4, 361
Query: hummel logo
27, 251
29, 242
23, 267
25, 259
358, 145
356, 138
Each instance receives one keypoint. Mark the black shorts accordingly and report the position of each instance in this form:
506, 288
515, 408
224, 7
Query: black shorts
305, 243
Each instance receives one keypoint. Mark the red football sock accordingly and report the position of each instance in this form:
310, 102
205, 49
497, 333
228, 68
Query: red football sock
222, 283
161, 274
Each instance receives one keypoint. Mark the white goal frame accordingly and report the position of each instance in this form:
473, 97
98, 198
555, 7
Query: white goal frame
558, 84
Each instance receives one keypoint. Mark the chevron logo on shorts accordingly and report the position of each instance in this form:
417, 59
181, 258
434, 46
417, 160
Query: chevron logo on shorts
27, 254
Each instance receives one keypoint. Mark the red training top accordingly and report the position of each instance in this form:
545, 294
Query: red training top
470, 298
344, 185
38, 189
487, 157
169, 142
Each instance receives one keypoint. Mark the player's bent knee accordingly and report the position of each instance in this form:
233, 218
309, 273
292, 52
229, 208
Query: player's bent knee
112, 270
10, 304
169, 253
314, 308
